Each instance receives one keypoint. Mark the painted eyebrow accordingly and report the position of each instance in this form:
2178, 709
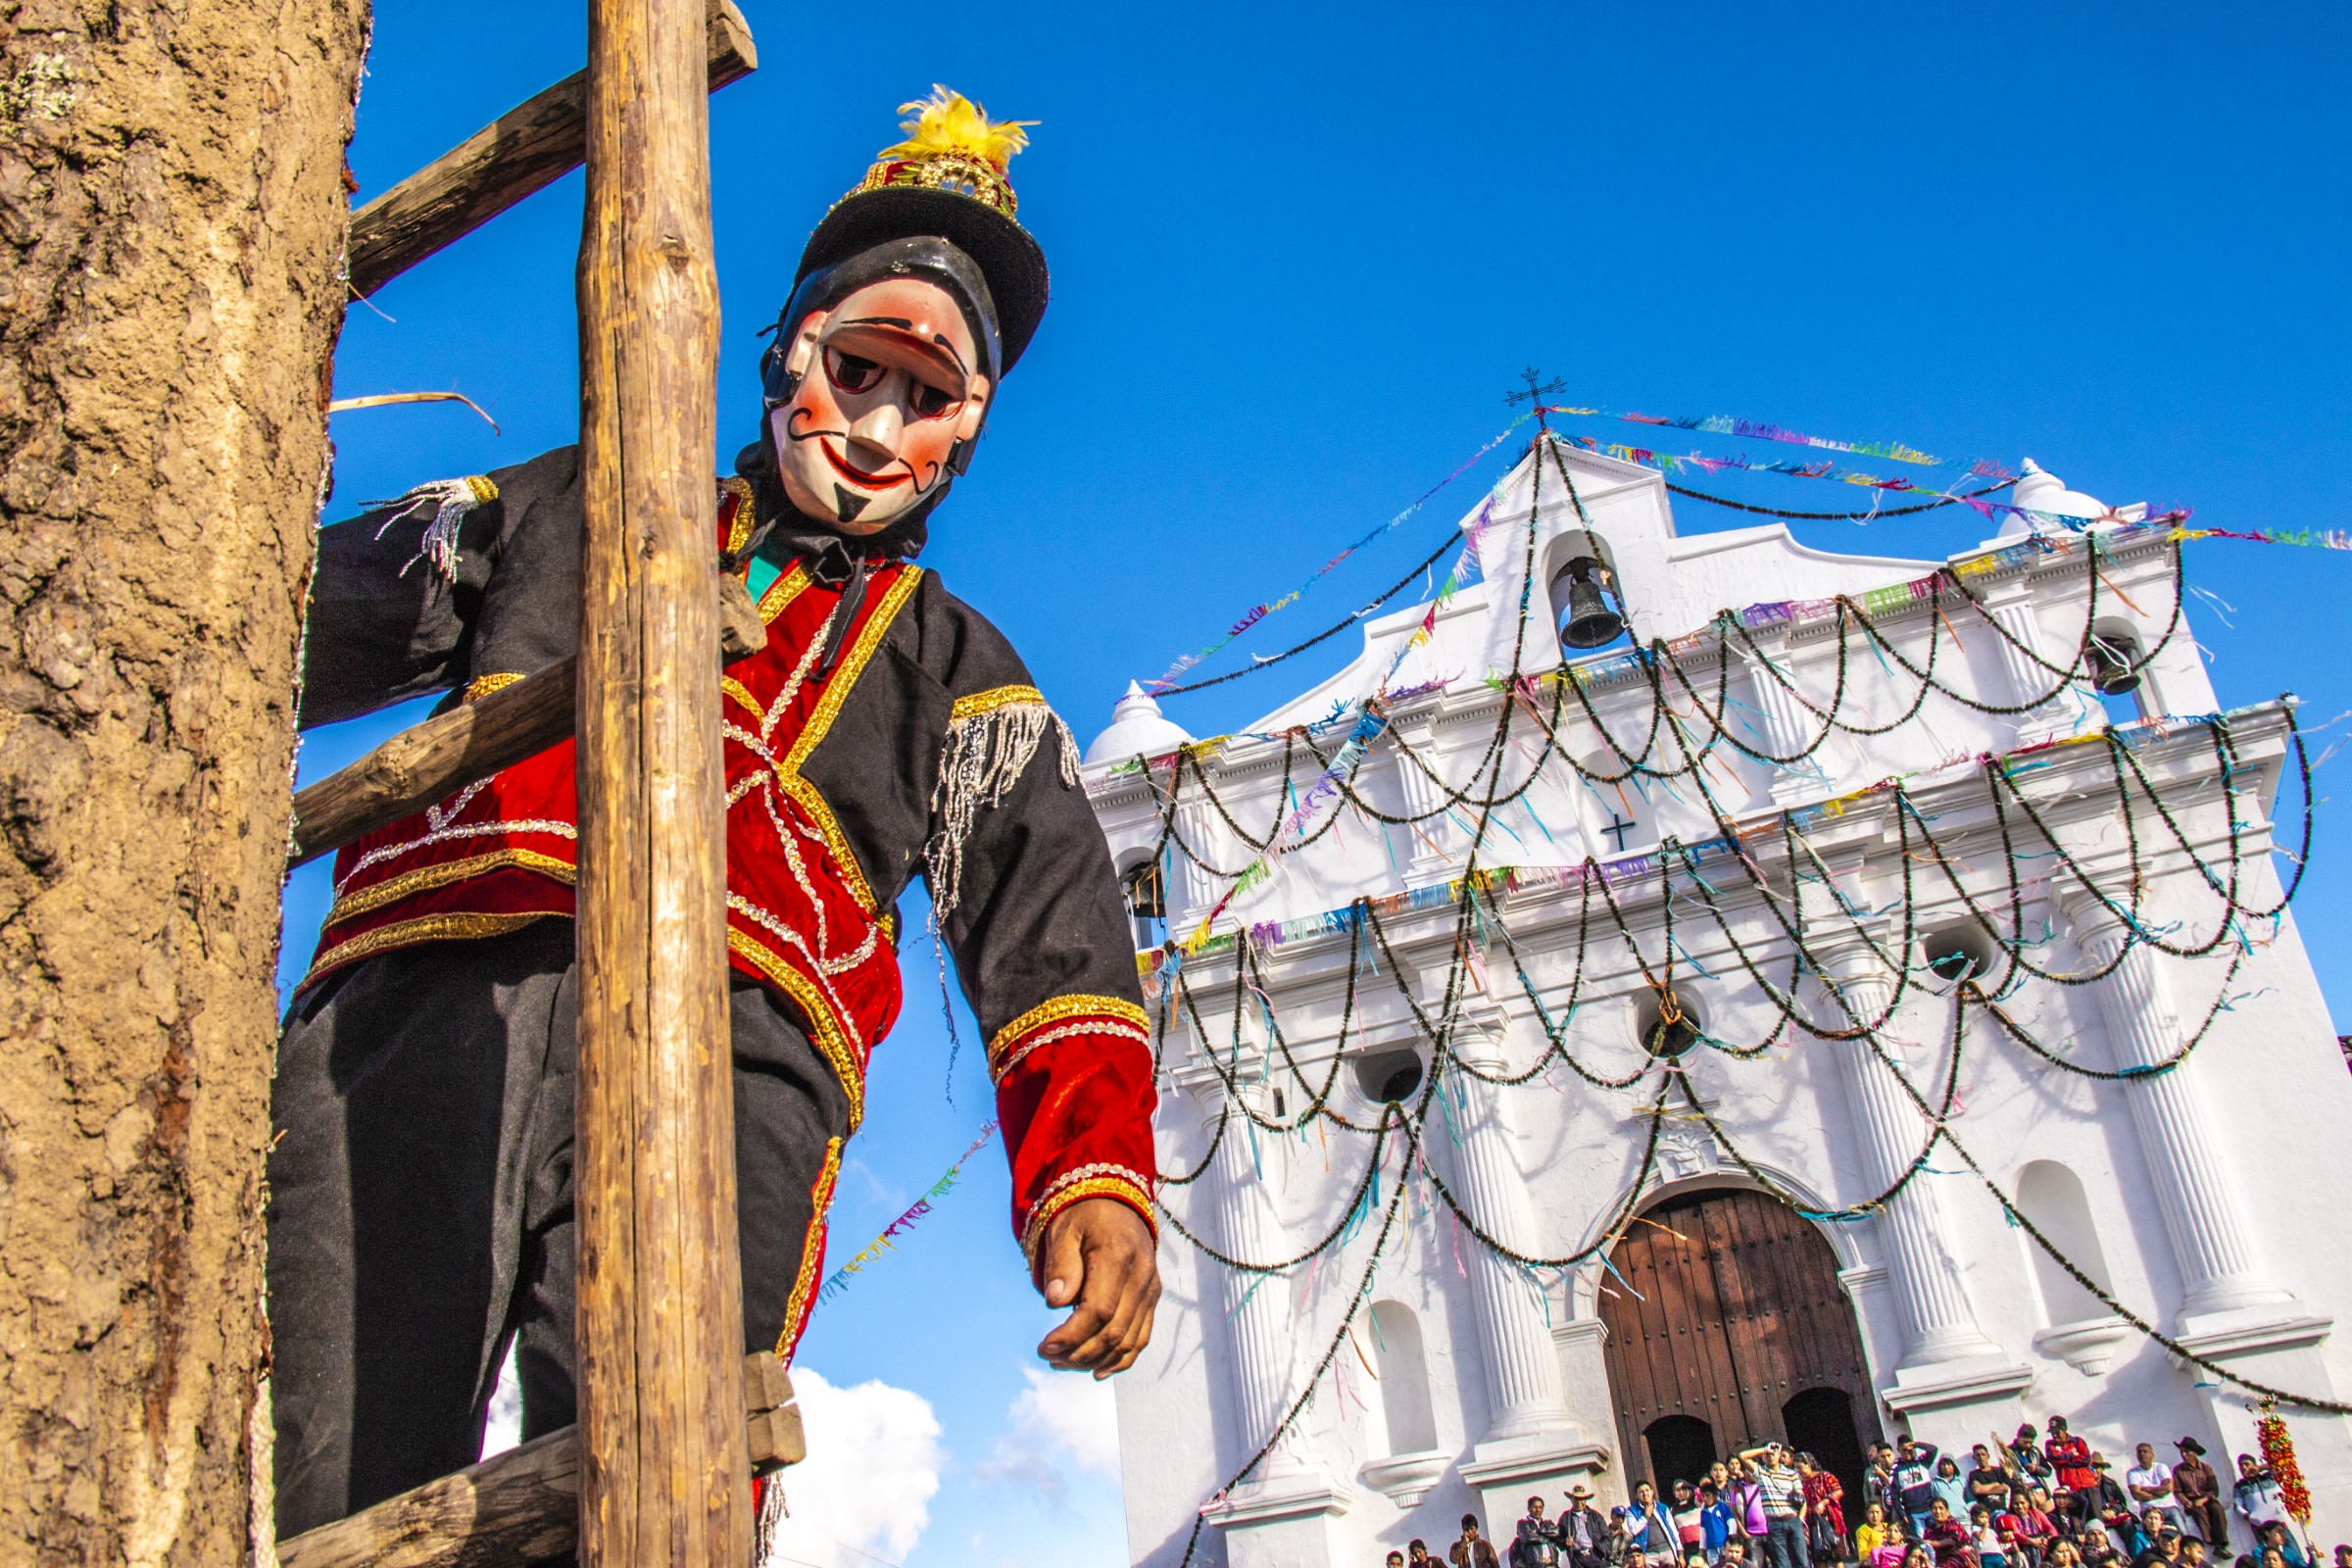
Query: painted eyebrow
948, 349
905, 325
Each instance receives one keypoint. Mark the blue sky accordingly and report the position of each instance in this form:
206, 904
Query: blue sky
1301, 254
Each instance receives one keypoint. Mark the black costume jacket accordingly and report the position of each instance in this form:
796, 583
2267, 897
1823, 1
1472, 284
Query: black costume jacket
886, 728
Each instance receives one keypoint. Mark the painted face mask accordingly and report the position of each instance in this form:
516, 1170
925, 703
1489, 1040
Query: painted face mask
888, 390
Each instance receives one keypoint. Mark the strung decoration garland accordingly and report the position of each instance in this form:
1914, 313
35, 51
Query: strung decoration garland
1758, 431
839, 1280
1674, 462
1263, 661
1166, 684
1696, 895
1871, 516
1166, 679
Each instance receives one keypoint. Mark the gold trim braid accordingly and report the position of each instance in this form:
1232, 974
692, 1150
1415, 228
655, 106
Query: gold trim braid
739, 527
820, 721
424, 878
853, 664
425, 928
813, 1249
832, 1041
482, 686
996, 697
783, 591
1109, 1181
1069, 1006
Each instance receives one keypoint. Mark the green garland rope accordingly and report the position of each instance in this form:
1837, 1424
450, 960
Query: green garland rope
1671, 752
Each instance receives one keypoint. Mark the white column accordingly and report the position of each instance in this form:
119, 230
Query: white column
2027, 678
1258, 1306
2212, 1246
1286, 1514
1431, 833
1195, 891
1939, 1325
1514, 1338
1787, 730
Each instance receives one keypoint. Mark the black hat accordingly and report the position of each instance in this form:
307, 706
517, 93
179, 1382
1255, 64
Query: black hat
946, 179
2190, 1446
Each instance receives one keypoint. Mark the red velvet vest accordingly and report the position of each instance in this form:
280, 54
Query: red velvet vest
800, 918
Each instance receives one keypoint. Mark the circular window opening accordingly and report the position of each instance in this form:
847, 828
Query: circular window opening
1389, 1075
1957, 952
1667, 1024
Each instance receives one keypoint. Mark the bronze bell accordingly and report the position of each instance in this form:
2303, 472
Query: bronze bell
2110, 660
1589, 622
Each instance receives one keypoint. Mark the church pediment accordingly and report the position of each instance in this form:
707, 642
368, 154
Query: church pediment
1668, 583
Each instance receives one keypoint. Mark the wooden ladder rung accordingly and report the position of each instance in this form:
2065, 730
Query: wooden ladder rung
523, 1505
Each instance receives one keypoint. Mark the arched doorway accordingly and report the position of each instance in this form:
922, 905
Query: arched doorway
1728, 1327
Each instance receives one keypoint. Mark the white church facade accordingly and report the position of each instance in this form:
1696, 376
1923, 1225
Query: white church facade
1731, 1273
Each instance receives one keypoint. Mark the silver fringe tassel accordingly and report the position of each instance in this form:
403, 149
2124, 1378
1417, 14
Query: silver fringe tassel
450, 499
769, 1520
985, 758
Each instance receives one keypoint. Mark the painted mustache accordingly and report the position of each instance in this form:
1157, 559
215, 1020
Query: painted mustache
881, 480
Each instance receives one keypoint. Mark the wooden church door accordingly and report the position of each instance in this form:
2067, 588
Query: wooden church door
1727, 1327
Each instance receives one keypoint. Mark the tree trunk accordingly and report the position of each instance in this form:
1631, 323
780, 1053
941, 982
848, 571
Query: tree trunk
171, 196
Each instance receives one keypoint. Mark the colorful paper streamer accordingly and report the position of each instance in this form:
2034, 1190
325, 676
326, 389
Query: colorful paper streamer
1258, 612
1762, 430
1153, 965
1589, 672
1371, 719
839, 1280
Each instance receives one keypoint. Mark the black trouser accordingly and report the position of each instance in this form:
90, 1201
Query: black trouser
420, 1212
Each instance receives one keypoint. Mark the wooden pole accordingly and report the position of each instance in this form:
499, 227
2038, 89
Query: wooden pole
662, 1474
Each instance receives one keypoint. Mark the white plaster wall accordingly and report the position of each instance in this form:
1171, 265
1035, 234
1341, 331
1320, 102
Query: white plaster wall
2269, 1071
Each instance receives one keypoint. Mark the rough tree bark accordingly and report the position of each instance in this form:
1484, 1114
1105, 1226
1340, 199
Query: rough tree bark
173, 205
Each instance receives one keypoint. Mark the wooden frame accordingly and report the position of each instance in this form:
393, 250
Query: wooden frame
522, 151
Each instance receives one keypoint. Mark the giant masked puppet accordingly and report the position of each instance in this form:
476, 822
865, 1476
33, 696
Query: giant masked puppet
421, 1217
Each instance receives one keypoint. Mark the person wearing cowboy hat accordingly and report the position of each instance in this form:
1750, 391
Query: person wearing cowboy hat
421, 1203
1583, 1534
2197, 1490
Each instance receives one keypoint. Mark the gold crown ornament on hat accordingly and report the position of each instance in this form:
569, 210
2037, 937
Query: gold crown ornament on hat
946, 179
952, 145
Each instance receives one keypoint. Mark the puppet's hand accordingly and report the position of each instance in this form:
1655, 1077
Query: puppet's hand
1098, 1258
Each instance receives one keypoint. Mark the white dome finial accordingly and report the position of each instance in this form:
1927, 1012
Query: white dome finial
1137, 728
2040, 491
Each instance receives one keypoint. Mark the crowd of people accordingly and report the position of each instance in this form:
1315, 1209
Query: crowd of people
2031, 1501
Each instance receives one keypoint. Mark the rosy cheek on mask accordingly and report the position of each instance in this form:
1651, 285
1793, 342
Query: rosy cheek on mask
926, 447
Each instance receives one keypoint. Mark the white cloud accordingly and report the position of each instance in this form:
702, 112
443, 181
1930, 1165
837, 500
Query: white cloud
864, 1494
504, 1429
1062, 1421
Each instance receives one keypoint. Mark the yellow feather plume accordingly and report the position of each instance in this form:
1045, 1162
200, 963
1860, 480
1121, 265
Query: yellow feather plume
948, 121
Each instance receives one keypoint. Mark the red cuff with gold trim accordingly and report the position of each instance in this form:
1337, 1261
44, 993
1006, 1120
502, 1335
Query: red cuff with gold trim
1075, 1098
